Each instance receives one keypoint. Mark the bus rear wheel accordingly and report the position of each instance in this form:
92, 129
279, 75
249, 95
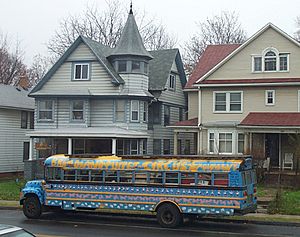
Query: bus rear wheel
32, 208
169, 216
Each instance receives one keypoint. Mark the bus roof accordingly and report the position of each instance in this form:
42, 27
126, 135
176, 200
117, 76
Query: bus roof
158, 164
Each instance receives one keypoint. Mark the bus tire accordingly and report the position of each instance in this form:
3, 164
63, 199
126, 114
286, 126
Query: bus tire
32, 208
169, 216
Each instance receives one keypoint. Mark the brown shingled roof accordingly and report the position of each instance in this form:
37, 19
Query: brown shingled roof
271, 119
212, 55
190, 122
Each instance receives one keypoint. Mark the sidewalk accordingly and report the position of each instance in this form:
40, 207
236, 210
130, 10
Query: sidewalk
255, 218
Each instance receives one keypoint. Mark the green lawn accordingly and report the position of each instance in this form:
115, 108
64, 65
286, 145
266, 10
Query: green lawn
10, 189
290, 203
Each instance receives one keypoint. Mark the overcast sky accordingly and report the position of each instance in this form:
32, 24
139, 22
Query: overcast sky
33, 22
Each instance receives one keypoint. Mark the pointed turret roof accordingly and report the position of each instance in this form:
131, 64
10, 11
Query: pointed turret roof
131, 42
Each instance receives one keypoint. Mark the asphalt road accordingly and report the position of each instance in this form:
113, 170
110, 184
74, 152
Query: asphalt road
83, 224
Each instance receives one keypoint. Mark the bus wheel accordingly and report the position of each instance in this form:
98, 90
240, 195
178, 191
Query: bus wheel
168, 215
32, 207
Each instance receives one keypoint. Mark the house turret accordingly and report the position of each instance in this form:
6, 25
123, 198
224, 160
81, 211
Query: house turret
130, 57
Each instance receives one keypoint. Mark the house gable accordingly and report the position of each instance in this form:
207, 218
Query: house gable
238, 64
102, 77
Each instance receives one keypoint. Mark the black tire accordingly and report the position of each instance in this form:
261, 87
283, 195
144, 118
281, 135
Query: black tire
169, 216
32, 208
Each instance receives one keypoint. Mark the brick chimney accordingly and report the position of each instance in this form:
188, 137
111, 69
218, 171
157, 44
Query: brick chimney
24, 82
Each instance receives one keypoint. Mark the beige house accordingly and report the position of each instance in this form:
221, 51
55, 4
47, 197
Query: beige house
245, 99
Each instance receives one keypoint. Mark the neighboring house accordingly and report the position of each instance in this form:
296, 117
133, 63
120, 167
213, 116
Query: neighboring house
16, 119
97, 99
245, 99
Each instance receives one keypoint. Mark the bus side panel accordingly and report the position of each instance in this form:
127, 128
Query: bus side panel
190, 200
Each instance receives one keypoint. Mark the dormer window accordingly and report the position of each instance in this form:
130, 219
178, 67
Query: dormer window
81, 71
270, 61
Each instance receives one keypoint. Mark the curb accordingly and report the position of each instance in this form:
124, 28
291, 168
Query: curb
257, 222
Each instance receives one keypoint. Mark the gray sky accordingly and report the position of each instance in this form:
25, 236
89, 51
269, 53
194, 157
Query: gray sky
33, 22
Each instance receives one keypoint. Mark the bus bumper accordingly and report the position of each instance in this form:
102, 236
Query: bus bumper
250, 209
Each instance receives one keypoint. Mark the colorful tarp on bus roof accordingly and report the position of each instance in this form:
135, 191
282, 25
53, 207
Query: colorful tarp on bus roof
117, 163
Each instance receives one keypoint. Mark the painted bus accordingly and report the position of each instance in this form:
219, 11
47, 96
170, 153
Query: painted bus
170, 187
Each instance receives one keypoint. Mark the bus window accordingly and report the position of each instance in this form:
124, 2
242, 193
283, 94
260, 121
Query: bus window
125, 176
171, 178
97, 175
188, 178
221, 179
140, 177
69, 174
111, 176
53, 173
82, 175
204, 179
156, 178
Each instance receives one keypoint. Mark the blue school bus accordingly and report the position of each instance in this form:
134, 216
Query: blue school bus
171, 187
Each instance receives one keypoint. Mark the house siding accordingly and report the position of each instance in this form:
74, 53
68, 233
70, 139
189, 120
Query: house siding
240, 66
286, 100
12, 138
193, 104
99, 83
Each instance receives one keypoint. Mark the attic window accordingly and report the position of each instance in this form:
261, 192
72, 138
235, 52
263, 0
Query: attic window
270, 61
172, 82
81, 71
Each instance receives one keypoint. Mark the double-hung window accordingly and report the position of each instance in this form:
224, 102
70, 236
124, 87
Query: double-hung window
172, 81
145, 111
270, 97
229, 102
45, 110
81, 71
135, 110
225, 143
270, 61
119, 110
166, 115
77, 110
24, 119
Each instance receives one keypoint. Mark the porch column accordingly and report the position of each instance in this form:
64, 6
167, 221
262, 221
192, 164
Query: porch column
31, 148
246, 144
175, 143
114, 146
70, 146
198, 142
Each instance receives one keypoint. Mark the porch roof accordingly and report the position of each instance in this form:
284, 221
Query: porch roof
276, 119
95, 132
186, 123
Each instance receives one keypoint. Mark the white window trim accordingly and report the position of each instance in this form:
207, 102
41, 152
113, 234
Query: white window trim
228, 102
88, 72
39, 110
237, 143
145, 111
266, 97
72, 109
216, 141
253, 63
138, 111
262, 55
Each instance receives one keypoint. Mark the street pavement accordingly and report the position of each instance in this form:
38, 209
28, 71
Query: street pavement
84, 224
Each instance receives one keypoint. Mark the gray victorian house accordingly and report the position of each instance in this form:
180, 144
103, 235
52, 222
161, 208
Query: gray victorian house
96, 99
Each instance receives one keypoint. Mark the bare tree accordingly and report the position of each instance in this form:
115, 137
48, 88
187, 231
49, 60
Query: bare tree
297, 33
11, 62
106, 27
38, 69
220, 29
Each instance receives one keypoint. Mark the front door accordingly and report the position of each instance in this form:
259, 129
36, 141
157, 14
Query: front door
272, 148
